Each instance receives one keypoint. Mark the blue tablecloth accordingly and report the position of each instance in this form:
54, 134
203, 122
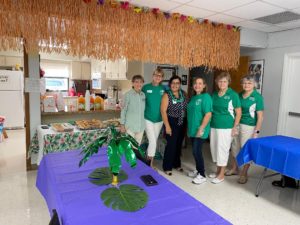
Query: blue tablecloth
278, 153
66, 188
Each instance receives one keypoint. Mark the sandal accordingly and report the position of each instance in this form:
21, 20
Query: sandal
168, 173
231, 173
243, 180
154, 168
179, 169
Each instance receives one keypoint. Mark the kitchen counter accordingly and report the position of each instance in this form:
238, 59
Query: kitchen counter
80, 112
63, 117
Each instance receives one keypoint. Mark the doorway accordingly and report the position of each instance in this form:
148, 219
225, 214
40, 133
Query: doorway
289, 110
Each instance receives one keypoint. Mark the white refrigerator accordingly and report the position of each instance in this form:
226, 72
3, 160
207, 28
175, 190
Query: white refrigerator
12, 98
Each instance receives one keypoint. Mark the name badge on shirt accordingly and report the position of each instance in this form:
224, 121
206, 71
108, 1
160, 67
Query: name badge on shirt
149, 91
174, 102
198, 102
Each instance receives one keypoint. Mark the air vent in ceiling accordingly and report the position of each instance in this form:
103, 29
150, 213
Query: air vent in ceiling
277, 18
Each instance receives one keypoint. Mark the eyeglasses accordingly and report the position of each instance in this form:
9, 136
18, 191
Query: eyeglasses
157, 75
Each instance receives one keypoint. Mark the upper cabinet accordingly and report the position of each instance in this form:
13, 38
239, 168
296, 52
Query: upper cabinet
81, 70
2, 60
11, 61
116, 70
86, 70
109, 70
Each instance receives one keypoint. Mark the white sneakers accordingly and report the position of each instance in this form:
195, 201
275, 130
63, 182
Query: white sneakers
199, 179
217, 180
192, 173
212, 175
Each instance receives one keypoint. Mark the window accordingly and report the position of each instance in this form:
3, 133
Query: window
56, 74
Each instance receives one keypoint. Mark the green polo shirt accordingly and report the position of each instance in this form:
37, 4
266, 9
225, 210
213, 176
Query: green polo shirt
198, 106
250, 105
223, 114
153, 99
132, 114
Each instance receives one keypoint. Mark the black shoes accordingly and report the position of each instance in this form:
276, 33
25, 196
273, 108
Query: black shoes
290, 183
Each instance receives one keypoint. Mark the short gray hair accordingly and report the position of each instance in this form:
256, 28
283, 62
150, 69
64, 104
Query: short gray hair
250, 78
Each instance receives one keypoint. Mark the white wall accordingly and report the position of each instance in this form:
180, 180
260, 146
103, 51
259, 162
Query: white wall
150, 67
253, 38
279, 44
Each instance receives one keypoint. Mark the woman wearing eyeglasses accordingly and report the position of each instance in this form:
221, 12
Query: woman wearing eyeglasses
226, 117
252, 116
153, 92
173, 111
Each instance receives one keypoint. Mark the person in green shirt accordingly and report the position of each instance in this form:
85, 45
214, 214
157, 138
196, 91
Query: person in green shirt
153, 92
250, 124
132, 113
198, 116
226, 116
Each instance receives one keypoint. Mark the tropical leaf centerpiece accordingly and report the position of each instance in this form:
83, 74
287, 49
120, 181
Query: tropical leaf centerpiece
125, 197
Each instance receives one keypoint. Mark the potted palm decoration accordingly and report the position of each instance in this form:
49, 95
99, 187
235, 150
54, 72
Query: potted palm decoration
125, 197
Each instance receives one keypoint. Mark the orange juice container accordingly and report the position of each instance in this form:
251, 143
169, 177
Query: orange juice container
92, 103
81, 103
98, 103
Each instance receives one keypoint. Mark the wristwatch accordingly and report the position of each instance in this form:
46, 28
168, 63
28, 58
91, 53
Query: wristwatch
256, 131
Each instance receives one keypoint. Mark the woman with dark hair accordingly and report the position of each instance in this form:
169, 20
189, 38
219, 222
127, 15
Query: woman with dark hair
132, 114
198, 116
173, 111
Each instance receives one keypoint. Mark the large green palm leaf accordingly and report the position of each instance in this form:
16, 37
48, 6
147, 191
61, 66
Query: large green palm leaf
103, 176
126, 198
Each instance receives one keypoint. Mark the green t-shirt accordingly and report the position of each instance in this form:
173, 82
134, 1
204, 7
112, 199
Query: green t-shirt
223, 114
250, 106
198, 106
153, 99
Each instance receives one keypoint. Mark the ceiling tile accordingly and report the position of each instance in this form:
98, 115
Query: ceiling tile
251, 24
290, 25
288, 4
270, 29
222, 18
181, 1
296, 10
254, 10
163, 5
193, 11
218, 5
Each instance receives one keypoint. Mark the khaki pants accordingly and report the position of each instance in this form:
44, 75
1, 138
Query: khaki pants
245, 133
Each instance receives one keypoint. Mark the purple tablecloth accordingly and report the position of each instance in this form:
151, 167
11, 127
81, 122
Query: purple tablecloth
66, 188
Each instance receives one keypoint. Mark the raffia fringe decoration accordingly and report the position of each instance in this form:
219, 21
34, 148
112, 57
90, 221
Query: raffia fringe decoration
105, 32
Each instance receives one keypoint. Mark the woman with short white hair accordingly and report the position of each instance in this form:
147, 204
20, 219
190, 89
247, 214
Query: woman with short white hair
226, 116
252, 105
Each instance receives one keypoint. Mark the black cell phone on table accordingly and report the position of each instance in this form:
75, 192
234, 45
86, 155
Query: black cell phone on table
44, 127
149, 180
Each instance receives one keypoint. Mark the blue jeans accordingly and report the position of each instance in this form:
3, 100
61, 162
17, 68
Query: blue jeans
197, 153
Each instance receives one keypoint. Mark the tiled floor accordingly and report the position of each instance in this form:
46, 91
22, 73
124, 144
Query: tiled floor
22, 204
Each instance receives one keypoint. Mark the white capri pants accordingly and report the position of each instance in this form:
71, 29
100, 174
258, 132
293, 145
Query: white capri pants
152, 131
220, 142
245, 133
138, 136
